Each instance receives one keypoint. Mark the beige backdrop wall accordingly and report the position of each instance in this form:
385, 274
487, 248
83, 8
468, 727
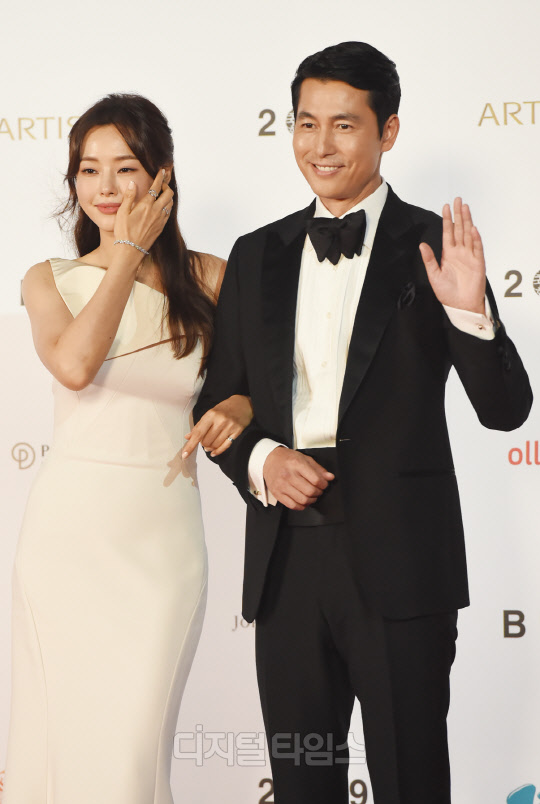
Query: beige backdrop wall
221, 72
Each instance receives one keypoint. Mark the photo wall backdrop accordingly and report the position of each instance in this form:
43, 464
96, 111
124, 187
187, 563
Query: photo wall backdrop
221, 73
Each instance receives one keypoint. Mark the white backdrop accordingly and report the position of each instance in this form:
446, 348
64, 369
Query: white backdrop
470, 121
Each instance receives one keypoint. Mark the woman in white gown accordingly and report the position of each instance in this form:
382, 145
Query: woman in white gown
110, 571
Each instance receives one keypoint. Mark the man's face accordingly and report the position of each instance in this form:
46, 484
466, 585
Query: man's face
337, 144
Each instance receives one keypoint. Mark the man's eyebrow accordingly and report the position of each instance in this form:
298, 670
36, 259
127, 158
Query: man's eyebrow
116, 158
354, 118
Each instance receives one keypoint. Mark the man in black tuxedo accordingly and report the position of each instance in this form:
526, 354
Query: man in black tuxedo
342, 322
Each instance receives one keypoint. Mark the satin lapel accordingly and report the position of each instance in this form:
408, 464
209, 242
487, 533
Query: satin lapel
280, 274
394, 248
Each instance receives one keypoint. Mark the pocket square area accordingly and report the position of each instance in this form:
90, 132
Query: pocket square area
407, 296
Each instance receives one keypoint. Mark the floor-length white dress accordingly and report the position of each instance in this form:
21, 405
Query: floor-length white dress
110, 573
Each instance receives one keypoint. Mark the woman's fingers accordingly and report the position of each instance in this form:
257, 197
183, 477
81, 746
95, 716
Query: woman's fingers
210, 432
214, 437
143, 222
157, 184
165, 199
127, 201
196, 435
226, 442
219, 427
159, 193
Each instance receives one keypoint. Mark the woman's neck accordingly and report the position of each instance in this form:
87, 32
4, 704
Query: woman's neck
103, 254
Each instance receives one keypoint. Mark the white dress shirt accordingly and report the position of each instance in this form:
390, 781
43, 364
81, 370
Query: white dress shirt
328, 297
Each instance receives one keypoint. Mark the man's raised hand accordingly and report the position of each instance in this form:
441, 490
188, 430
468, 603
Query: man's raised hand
460, 280
295, 479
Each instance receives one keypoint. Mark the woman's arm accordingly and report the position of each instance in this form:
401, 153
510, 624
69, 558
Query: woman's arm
73, 349
227, 420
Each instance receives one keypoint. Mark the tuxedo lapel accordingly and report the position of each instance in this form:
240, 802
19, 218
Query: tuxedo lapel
280, 274
394, 247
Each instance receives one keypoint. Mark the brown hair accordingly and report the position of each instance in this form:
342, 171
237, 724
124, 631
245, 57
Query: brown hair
189, 305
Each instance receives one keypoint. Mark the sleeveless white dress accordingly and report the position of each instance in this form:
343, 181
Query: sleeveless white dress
110, 573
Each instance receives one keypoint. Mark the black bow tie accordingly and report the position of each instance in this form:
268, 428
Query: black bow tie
332, 237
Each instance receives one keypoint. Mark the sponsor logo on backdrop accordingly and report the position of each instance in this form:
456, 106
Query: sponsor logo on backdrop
265, 799
523, 795
513, 624
510, 113
269, 118
516, 278
357, 789
25, 454
290, 121
528, 454
35, 128
240, 623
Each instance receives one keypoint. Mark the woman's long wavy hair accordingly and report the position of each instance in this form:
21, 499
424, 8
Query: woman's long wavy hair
189, 303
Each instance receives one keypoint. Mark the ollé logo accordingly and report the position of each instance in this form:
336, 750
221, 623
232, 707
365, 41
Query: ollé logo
525, 794
530, 455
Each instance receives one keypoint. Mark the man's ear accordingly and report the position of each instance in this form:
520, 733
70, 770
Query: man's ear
390, 132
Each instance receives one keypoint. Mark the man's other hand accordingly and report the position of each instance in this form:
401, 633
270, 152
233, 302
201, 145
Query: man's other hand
295, 479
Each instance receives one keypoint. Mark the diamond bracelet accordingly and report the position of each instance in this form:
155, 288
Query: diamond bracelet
129, 243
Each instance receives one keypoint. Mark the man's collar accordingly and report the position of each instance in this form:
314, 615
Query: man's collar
372, 205
395, 218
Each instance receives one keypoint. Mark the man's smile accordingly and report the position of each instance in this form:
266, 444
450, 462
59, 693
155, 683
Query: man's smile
326, 168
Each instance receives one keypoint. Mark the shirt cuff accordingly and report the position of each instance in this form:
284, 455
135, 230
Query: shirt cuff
481, 326
259, 454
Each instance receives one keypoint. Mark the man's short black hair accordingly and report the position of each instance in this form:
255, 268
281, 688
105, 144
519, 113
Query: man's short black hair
360, 65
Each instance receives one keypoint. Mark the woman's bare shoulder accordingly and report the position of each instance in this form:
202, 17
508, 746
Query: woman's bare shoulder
41, 270
38, 276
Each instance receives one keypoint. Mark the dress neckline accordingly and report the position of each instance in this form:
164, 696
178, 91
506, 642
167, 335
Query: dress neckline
136, 281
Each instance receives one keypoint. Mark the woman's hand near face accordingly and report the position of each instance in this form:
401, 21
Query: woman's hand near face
143, 222
218, 428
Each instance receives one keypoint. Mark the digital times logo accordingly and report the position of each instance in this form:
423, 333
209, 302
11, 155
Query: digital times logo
526, 794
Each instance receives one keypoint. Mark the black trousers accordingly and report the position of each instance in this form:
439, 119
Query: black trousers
318, 647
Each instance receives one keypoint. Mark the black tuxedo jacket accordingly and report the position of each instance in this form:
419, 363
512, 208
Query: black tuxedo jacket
401, 499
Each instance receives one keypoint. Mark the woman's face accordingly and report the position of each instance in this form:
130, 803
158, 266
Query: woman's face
106, 168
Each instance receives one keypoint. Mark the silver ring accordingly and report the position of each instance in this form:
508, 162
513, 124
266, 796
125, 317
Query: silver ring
230, 438
165, 210
152, 193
